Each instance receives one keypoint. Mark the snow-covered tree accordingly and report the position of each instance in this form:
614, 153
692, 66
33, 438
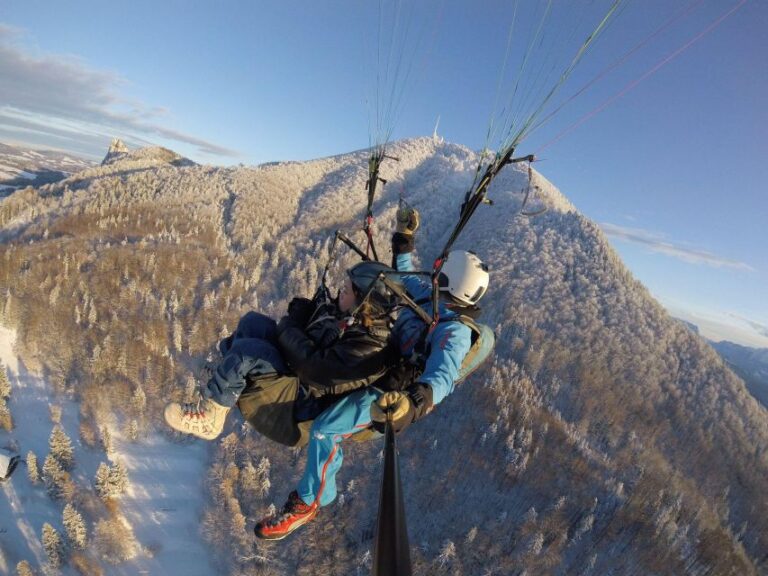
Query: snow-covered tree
139, 400
54, 476
106, 440
248, 482
6, 420
54, 547
24, 569
447, 553
61, 447
111, 481
101, 482
74, 527
132, 430
55, 414
535, 544
114, 540
32, 470
118, 477
178, 333
5, 384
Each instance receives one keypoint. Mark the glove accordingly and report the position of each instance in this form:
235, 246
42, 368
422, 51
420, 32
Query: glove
398, 405
406, 407
408, 220
300, 310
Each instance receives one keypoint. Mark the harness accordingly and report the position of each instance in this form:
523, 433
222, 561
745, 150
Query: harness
422, 349
410, 368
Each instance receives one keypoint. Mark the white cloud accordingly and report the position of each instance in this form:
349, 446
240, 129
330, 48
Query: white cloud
718, 326
656, 242
761, 329
63, 97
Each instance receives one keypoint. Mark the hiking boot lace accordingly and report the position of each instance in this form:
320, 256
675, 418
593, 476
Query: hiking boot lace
291, 508
193, 409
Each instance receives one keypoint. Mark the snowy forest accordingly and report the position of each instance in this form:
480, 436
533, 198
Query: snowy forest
604, 437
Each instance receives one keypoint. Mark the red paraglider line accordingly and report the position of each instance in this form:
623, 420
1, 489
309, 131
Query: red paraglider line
637, 81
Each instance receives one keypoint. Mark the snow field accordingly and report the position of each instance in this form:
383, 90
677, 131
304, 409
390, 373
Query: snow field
163, 503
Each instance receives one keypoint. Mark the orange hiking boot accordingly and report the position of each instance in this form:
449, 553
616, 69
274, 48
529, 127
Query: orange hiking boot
294, 515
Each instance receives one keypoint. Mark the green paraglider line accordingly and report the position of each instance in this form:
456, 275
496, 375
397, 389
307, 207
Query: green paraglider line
631, 85
677, 16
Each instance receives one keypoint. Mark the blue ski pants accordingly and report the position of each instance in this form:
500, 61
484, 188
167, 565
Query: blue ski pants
325, 455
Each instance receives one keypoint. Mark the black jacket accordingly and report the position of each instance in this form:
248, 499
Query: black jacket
357, 359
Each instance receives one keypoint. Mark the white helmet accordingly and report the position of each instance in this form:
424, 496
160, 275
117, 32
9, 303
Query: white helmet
464, 276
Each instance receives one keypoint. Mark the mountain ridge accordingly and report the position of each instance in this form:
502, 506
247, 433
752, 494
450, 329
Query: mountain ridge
21, 167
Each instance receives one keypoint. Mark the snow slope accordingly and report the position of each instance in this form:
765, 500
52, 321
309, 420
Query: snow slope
162, 504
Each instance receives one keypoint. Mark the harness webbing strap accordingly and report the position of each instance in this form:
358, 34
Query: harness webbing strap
344, 238
420, 350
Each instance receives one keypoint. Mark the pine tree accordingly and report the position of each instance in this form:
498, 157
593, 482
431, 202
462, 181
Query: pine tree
32, 470
102, 481
75, 527
53, 476
114, 541
106, 440
118, 478
139, 400
263, 476
61, 447
5, 384
178, 332
24, 569
6, 420
447, 553
248, 480
55, 414
133, 430
111, 481
53, 546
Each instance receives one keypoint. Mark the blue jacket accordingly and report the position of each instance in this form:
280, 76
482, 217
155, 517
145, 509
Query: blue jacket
448, 343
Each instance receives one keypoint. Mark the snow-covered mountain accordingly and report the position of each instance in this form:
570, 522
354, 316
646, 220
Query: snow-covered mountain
605, 438
20, 167
117, 149
118, 154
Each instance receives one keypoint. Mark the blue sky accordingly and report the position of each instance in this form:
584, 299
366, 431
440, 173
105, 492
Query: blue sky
674, 170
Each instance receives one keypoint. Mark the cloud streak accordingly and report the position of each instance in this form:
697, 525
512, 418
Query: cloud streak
761, 329
47, 90
657, 243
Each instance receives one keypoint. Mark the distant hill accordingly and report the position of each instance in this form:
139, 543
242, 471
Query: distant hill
749, 363
119, 154
604, 438
20, 167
